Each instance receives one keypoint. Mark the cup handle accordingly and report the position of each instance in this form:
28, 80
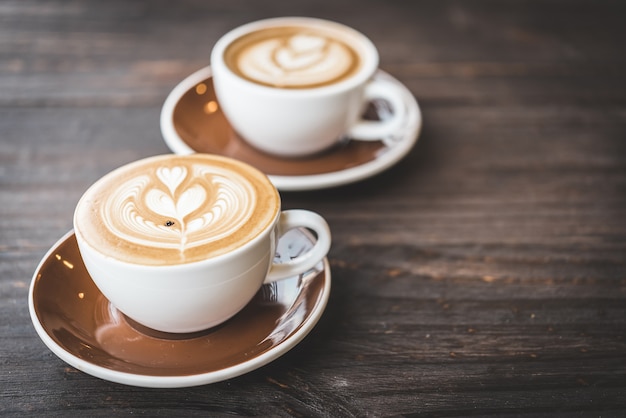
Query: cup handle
296, 218
370, 130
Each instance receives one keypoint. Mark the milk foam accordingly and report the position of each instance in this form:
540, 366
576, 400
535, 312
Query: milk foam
162, 214
174, 213
293, 58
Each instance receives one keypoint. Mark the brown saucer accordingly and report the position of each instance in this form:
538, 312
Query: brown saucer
81, 326
192, 121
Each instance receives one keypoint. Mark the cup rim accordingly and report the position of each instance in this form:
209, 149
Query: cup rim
366, 48
236, 252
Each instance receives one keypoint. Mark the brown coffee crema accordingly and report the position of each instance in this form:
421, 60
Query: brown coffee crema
170, 209
293, 57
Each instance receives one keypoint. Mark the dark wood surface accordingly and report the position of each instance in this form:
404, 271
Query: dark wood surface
484, 275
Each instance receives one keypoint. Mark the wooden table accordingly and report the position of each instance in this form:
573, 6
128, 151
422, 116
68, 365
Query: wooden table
485, 274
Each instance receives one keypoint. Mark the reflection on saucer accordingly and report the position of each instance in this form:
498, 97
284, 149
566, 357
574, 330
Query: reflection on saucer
192, 121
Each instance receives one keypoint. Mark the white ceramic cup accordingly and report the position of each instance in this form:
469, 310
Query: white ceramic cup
299, 121
182, 297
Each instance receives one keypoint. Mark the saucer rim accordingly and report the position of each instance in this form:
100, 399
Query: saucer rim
311, 181
152, 381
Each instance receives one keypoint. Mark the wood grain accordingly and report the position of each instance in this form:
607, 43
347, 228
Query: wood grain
484, 275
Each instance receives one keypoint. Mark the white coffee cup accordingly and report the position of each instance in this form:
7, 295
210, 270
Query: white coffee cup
182, 243
295, 86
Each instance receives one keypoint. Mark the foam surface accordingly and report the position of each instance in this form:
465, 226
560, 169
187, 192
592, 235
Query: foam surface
176, 209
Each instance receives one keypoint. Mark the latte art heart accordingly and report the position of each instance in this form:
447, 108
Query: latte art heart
292, 57
178, 211
175, 213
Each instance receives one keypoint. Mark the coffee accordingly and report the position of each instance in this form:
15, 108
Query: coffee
297, 86
168, 210
294, 57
